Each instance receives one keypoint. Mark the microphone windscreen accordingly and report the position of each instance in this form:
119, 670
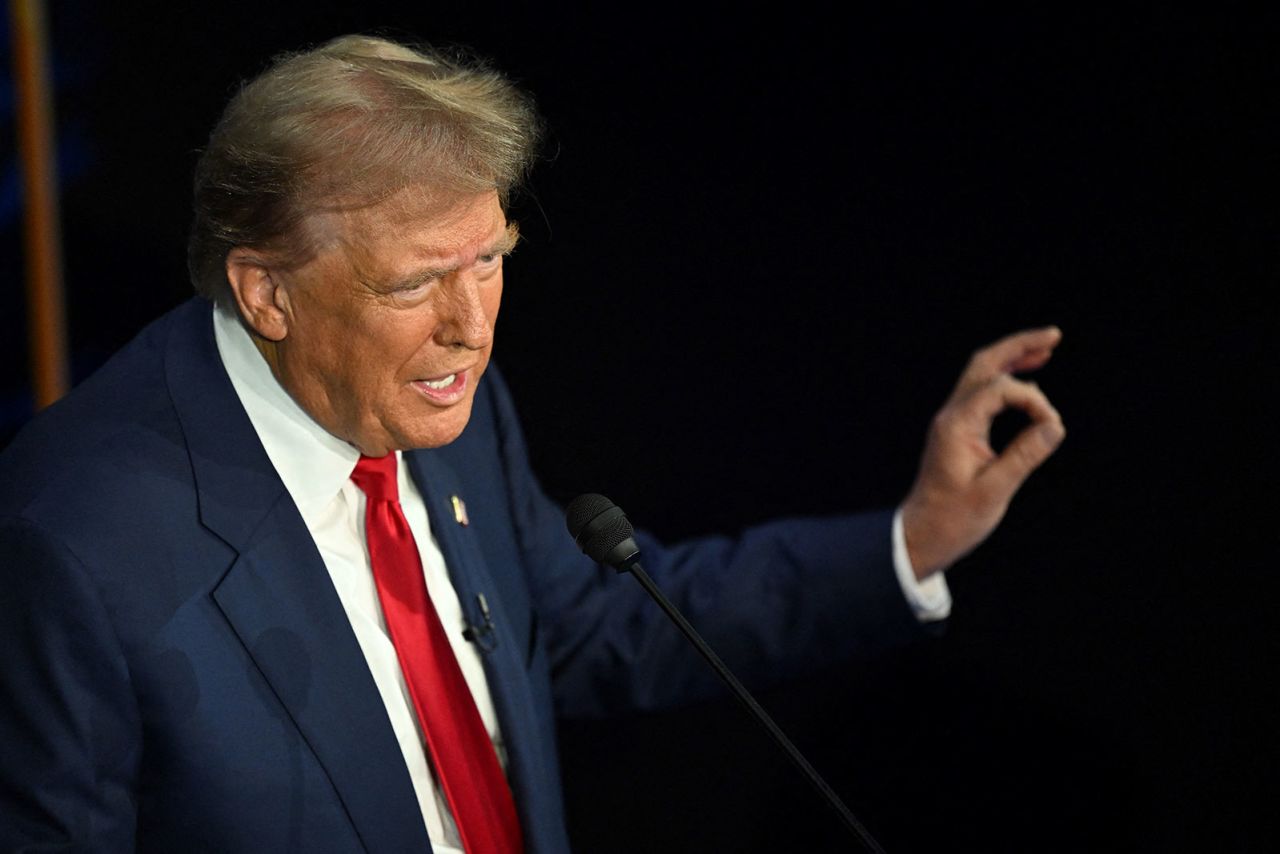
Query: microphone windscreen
599, 527
583, 509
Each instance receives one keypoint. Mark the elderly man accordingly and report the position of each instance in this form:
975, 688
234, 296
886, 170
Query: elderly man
279, 578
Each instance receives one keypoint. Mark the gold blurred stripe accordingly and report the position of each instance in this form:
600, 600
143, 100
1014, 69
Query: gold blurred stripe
37, 150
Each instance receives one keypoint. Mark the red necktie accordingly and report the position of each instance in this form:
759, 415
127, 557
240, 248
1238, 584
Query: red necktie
463, 755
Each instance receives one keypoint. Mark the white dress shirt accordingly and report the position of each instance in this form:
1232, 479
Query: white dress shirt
316, 467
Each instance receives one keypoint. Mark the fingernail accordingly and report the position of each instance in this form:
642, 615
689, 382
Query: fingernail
1052, 434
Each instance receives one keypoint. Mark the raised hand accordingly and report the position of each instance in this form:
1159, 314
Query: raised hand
963, 487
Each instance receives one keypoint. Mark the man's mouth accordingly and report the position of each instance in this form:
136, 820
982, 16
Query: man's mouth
443, 382
446, 389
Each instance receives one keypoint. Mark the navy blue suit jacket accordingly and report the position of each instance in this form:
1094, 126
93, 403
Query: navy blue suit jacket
178, 673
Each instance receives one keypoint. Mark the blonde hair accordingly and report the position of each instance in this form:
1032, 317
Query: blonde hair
348, 124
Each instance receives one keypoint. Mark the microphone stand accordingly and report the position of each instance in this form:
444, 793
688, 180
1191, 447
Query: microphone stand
754, 708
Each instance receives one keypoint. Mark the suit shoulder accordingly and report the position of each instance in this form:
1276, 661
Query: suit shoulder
88, 452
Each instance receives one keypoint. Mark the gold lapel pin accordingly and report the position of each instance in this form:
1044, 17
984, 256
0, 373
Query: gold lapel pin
460, 511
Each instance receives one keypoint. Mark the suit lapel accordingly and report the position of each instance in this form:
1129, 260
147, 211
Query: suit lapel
282, 606
502, 658
279, 599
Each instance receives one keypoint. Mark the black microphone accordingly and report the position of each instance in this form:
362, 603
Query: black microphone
482, 635
602, 530
604, 533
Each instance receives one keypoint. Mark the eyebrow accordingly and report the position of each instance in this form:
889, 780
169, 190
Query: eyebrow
502, 245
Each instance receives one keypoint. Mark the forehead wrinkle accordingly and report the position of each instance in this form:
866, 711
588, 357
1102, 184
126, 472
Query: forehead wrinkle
408, 238
499, 246
458, 251
425, 259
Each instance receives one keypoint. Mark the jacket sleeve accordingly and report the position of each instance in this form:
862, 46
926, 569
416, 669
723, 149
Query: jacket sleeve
69, 722
774, 601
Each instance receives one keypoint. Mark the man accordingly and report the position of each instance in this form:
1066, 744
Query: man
279, 577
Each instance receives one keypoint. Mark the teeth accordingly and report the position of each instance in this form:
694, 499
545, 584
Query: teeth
444, 382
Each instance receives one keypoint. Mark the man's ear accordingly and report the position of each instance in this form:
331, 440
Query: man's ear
259, 296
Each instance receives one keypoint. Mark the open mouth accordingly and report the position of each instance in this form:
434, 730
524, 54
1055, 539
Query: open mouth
442, 383
446, 389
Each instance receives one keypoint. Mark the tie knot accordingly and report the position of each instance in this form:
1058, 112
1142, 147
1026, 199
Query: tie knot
376, 477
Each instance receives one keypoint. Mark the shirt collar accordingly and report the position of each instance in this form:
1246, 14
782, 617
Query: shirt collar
313, 463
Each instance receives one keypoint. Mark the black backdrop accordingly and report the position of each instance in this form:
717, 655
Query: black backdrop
758, 250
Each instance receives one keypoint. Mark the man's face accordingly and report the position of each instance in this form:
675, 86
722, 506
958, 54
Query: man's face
390, 324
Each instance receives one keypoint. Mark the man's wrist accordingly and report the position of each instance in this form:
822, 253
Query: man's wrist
929, 598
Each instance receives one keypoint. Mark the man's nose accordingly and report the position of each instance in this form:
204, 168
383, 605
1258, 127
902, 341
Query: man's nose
464, 322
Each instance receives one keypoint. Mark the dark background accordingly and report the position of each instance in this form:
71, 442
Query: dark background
757, 253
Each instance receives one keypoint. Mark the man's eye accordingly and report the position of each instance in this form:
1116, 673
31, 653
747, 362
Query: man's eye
411, 290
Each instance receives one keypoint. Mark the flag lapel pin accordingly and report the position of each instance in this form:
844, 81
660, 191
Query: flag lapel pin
460, 511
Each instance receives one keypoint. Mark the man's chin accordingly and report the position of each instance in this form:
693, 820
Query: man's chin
436, 431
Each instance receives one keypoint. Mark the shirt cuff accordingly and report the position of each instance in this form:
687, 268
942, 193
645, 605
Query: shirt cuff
930, 600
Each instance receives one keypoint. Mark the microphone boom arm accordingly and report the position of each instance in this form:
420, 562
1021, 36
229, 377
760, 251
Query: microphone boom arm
753, 708
604, 533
